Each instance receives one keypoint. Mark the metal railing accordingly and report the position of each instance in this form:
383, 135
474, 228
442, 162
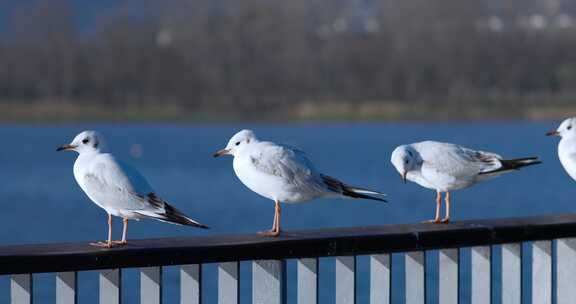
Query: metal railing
269, 255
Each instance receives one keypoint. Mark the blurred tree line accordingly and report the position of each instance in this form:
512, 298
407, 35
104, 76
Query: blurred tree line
271, 55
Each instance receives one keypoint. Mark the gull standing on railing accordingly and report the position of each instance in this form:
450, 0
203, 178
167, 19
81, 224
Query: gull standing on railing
445, 167
567, 145
284, 174
118, 188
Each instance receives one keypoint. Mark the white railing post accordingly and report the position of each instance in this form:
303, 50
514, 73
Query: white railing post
66, 288
21, 289
228, 283
566, 271
151, 285
190, 284
512, 273
268, 282
415, 277
307, 281
542, 272
110, 286
481, 275
448, 276
380, 279
345, 280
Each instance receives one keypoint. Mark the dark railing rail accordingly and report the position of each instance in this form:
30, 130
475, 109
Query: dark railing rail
21, 259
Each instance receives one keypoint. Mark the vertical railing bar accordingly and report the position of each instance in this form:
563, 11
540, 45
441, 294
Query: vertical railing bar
481, 258
151, 285
565, 270
380, 278
21, 288
511, 261
542, 272
66, 287
110, 290
448, 261
191, 284
415, 277
229, 283
268, 282
345, 279
307, 281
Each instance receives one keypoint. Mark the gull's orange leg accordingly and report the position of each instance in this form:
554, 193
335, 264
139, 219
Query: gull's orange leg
446, 219
106, 244
124, 233
278, 212
436, 219
275, 231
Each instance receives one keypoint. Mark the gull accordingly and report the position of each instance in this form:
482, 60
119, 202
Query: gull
567, 145
445, 167
284, 174
118, 188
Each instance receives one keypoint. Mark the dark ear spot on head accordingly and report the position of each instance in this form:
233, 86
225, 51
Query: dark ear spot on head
96, 143
248, 141
410, 153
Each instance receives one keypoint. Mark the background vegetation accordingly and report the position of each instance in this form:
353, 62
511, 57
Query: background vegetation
297, 59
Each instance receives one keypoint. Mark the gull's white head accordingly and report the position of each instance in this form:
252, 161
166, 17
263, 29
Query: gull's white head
567, 129
85, 142
237, 143
405, 159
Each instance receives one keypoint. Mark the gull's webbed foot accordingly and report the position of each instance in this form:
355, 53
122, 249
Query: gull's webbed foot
270, 233
103, 244
434, 221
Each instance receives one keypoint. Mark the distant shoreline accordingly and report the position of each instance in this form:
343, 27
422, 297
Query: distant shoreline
301, 112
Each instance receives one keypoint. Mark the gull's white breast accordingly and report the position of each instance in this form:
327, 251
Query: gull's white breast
81, 168
107, 184
278, 173
567, 155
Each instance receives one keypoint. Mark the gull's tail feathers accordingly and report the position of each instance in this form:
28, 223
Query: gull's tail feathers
351, 191
508, 165
174, 216
170, 214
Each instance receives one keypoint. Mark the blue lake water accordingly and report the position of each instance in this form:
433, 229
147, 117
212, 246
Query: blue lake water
41, 202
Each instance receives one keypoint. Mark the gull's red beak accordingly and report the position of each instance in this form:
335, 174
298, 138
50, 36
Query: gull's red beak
221, 152
66, 148
553, 133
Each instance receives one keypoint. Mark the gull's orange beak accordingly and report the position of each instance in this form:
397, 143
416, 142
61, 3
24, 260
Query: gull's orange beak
553, 133
221, 152
66, 148
404, 176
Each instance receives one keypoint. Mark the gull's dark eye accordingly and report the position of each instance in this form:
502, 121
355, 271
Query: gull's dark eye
569, 127
86, 140
237, 143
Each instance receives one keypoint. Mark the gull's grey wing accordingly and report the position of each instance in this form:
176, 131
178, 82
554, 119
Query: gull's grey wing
455, 160
284, 162
117, 185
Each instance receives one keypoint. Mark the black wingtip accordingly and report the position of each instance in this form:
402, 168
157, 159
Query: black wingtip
363, 196
201, 226
514, 164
